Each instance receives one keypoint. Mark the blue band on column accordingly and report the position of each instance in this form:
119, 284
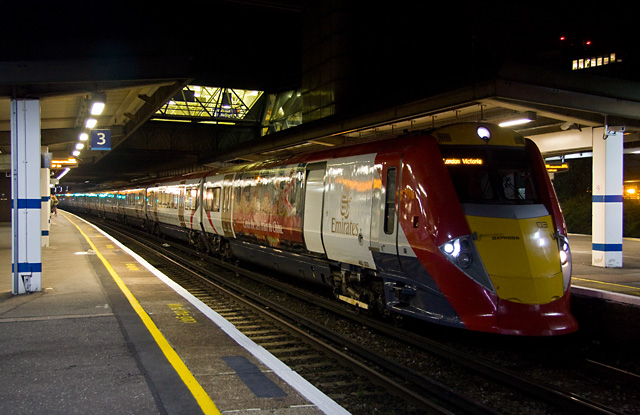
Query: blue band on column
607, 199
28, 267
28, 203
607, 247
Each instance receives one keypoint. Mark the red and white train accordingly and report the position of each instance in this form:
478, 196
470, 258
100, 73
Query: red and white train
459, 226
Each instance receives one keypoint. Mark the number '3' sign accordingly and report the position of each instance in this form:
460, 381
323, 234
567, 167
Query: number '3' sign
100, 139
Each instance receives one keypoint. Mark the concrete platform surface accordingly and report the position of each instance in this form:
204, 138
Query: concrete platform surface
619, 284
109, 335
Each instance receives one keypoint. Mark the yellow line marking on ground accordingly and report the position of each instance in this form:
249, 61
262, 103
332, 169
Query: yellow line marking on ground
203, 399
606, 283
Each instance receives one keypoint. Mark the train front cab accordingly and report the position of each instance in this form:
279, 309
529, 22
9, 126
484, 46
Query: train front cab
516, 246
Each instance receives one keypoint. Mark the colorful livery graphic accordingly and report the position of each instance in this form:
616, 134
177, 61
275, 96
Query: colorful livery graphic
458, 226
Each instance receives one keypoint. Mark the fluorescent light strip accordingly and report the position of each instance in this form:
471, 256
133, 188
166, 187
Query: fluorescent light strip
61, 175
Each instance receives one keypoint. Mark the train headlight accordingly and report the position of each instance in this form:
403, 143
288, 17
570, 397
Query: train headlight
450, 248
564, 252
462, 253
563, 248
563, 257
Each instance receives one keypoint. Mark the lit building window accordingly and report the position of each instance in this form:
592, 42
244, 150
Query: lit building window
593, 62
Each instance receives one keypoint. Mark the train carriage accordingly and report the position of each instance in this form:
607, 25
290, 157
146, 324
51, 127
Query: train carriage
172, 207
459, 226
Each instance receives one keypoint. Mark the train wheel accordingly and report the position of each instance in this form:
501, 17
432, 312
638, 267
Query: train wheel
225, 251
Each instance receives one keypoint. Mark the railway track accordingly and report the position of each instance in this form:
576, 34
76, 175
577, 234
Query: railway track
355, 375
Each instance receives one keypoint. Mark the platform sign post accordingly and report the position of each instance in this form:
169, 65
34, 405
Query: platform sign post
26, 203
607, 197
101, 140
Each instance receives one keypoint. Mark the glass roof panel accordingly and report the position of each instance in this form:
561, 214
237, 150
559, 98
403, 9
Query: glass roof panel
213, 104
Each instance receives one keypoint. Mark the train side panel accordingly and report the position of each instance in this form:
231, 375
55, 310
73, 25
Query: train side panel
346, 228
268, 206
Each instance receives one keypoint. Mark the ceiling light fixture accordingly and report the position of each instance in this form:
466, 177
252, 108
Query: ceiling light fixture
65, 171
91, 122
519, 119
98, 103
84, 136
226, 100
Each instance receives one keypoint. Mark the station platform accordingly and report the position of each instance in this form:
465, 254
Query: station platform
108, 334
615, 284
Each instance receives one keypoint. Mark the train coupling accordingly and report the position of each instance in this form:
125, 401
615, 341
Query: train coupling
401, 293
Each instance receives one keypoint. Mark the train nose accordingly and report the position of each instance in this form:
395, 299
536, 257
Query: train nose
549, 319
522, 260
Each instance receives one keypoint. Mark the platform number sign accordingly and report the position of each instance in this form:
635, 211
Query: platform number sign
100, 139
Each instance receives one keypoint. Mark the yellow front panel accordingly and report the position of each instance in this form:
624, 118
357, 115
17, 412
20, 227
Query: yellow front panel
521, 257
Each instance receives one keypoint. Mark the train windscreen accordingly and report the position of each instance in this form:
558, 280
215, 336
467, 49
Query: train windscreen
491, 175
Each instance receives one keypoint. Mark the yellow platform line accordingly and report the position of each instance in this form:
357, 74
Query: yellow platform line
203, 399
606, 283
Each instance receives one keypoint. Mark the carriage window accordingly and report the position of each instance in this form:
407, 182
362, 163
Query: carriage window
151, 199
390, 201
226, 199
212, 199
191, 197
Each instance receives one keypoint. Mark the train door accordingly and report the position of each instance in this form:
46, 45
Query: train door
180, 204
227, 205
385, 239
152, 205
313, 208
409, 212
212, 204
